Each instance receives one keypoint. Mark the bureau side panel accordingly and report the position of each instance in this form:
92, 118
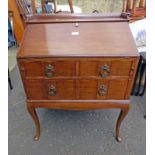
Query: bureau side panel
132, 75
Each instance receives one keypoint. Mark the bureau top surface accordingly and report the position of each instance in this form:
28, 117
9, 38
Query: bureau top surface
86, 39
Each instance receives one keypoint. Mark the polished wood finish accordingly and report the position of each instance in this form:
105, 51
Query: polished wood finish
65, 18
117, 66
35, 118
124, 111
37, 67
17, 21
80, 105
94, 70
99, 37
134, 9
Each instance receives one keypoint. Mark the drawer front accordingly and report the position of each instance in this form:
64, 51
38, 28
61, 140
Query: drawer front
50, 89
35, 89
117, 89
105, 67
60, 89
114, 89
87, 89
76, 89
48, 68
78, 79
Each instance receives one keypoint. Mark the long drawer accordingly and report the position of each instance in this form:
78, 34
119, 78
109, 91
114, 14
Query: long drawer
80, 89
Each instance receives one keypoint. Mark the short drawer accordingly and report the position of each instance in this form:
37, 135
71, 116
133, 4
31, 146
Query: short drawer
114, 89
39, 89
47, 68
105, 67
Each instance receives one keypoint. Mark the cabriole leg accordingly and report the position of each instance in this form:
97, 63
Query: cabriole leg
124, 111
35, 118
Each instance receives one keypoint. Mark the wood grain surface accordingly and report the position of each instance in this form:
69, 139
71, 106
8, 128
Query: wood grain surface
92, 40
78, 66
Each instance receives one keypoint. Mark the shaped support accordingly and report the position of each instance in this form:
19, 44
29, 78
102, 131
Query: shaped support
124, 111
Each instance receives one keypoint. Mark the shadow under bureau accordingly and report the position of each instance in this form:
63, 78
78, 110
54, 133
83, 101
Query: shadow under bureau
78, 65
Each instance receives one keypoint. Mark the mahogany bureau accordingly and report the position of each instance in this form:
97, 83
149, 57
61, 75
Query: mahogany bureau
78, 66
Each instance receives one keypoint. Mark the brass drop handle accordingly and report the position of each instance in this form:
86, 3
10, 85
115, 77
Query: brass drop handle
52, 90
105, 68
49, 71
102, 90
104, 71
